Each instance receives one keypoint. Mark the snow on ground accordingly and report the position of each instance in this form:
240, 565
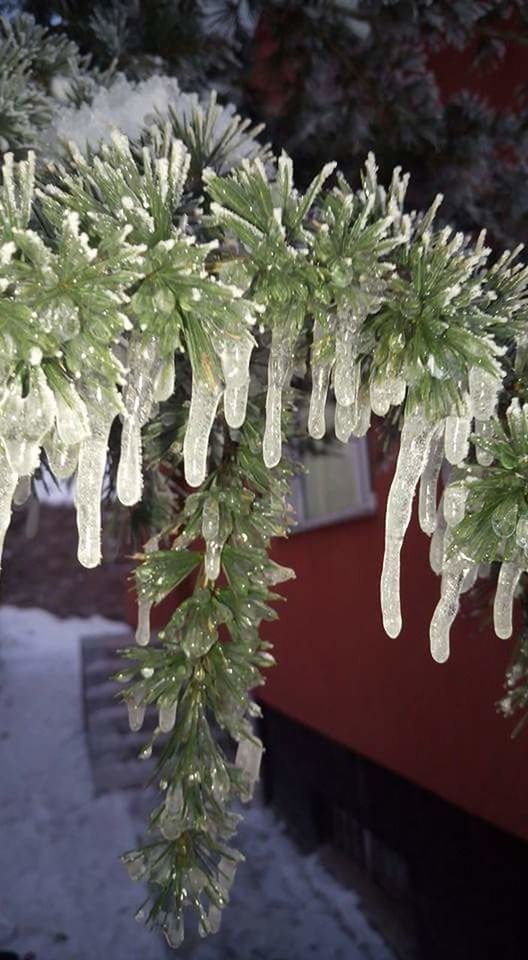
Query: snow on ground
63, 893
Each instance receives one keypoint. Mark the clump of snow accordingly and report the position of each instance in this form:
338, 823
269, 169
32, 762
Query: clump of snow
124, 105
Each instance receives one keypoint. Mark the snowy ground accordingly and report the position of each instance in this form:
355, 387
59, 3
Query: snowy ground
63, 893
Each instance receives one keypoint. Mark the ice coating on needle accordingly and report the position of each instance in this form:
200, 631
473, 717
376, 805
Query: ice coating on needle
428, 484
167, 714
204, 403
138, 396
210, 533
503, 603
235, 358
90, 478
316, 413
415, 441
279, 363
446, 610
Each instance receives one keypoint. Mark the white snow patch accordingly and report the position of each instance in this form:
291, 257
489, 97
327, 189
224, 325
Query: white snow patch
59, 865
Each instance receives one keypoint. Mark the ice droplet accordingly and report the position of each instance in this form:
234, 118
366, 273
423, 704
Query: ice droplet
457, 431
415, 440
504, 595
235, 358
454, 503
8, 482
428, 485
164, 382
136, 714
174, 930
446, 610
167, 714
483, 389
204, 403
279, 363
144, 607
90, 478
380, 395
504, 519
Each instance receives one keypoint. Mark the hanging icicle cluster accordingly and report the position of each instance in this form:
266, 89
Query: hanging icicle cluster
134, 271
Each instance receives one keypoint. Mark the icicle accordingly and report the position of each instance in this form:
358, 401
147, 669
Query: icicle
23, 491
235, 358
174, 930
484, 429
279, 363
62, 460
457, 431
167, 713
344, 420
454, 503
470, 579
210, 518
138, 396
428, 484
317, 411
204, 403
72, 417
521, 533
164, 382
8, 482
90, 478
437, 545
345, 370
213, 558
248, 757
504, 595
483, 389
144, 606
446, 610
362, 413
380, 395
227, 869
397, 387
415, 441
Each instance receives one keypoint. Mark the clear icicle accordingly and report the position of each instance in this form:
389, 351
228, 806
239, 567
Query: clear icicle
204, 403
454, 503
8, 482
90, 478
138, 395
503, 604
212, 560
457, 431
317, 411
210, 518
484, 429
344, 420
248, 758
164, 382
428, 485
167, 714
62, 460
483, 389
415, 440
144, 607
437, 545
362, 413
446, 610
380, 395
235, 359
345, 370
279, 363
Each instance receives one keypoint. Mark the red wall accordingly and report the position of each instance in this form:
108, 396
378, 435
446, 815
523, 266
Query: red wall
339, 673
